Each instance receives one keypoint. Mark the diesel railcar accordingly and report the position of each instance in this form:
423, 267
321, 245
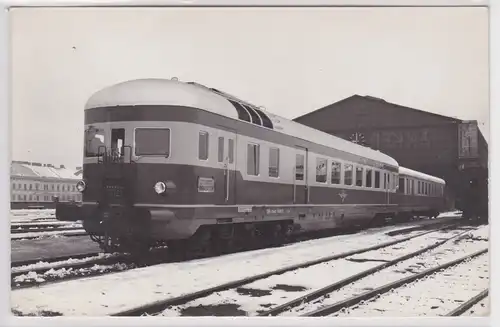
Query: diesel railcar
182, 164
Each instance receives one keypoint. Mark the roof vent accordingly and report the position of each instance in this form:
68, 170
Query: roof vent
374, 98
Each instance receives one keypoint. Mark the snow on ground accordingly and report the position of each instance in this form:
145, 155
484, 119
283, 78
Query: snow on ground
481, 309
32, 214
279, 289
64, 272
43, 264
43, 223
103, 295
434, 295
38, 235
449, 251
450, 214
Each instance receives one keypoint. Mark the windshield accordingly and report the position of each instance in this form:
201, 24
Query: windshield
94, 141
152, 142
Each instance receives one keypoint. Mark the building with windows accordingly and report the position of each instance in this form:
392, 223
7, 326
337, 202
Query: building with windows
447, 147
34, 184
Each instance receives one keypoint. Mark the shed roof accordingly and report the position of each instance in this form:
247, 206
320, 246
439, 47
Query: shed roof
22, 169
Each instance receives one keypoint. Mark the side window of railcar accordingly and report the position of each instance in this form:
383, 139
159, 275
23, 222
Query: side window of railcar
377, 179
220, 154
299, 167
321, 166
230, 149
368, 174
401, 188
335, 172
274, 162
359, 176
348, 174
253, 159
203, 146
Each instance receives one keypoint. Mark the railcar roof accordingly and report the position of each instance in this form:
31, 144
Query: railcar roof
420, 175
172, 92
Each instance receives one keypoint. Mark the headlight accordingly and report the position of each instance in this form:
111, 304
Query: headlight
81, 186
160, 187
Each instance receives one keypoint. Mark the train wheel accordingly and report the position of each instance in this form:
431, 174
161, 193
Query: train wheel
223, 239
377, 221
177, 250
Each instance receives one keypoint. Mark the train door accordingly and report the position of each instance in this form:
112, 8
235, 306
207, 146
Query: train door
226, 159
387, 187
300, 182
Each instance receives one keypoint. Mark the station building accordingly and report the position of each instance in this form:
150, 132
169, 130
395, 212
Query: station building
446, 147
37, 185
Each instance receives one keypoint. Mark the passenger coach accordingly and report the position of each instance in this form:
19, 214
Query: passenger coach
180, 163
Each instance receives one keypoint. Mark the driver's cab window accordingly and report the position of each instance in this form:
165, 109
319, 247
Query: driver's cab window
94, 141
118, 141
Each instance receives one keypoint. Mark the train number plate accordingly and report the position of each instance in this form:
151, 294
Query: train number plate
206, 185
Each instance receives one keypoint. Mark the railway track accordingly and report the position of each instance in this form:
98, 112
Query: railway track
30, 229
419, 293
476, 301
37, 235
68, 271
223, 291
63, 268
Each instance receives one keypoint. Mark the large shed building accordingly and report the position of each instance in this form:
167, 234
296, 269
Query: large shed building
446, 147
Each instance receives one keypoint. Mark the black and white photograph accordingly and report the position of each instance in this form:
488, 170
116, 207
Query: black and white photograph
249, 162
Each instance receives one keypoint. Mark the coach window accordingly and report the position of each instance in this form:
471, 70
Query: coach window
401, 186
359, 176
253, 158
203, 146
368, 178
321, 166
335, 172
230, 149
152, 142
348, 174
377, 179
299, 167
220, 156
274, 162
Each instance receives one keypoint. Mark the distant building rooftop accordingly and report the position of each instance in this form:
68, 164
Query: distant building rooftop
35, 169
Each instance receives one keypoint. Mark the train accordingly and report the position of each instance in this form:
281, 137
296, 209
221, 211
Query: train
190, 167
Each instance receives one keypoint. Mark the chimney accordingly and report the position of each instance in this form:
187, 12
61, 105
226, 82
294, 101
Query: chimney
61, 166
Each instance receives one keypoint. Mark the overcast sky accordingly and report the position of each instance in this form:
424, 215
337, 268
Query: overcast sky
289, 60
